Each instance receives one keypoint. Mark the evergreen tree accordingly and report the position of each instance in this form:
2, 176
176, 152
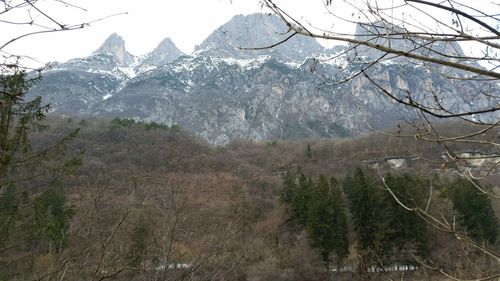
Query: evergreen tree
33, 211
339, 221
289, 188
51, 218
360, 195
409, 232
300, 201
318, 207
327, 221
138, 244
320, 219
9, 211
476, 214
371, 218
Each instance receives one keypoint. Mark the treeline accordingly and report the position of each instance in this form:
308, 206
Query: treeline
384, 226
151, 202
120, 123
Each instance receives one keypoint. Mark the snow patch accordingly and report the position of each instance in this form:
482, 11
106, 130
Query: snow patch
246, 63
293, 64
106, 96
339, 61
128, 71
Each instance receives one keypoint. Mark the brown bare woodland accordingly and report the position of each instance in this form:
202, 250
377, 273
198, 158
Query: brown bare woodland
160, 204
414, 32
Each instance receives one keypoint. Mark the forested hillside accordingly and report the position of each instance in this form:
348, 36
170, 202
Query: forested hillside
151, 202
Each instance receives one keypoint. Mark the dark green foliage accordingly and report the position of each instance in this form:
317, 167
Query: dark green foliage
476, 213
339, 221
318, 207
289, 188
17, 118
34, 216
320, 217
51, 217
121, 123
362, 196
409, 235
138, 244
9, 210
126, 123
387, 233
327, 222
301, 200
155, 126
175, 128
295, 195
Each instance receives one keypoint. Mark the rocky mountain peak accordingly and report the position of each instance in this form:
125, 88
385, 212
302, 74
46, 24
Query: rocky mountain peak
115, 46
257, 30
388, 34
223, 93
164, 53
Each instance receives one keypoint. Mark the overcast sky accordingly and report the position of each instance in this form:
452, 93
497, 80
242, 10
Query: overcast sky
148, 22
145, 24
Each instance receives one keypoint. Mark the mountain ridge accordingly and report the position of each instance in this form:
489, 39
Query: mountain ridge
222, 92
115, 46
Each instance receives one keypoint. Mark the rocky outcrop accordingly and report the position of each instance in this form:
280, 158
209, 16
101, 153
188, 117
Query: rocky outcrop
236, 38
166, 52
115, 46
222, 92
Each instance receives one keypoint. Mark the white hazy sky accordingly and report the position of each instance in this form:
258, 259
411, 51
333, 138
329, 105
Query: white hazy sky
147, 22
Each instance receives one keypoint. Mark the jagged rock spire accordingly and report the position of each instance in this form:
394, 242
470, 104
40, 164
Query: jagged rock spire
115, 46
164, 53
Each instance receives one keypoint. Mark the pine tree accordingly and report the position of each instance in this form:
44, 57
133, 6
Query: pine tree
138, 244
34, 215
476, 214
371, 218
318, 207
320, 219
289, 188
360, 195
9, 211
409, 232
339, 221
301, 200
51, 218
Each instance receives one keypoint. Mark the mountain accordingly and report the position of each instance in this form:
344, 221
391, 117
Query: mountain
254, 31
78, 84
166, 52
115, 46
387, 34
222, 92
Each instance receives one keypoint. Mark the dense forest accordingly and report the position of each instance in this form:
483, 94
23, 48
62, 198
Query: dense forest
95, 199
126, 200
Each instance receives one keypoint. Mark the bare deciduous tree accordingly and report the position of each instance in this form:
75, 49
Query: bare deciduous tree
415, 32
452, 38
25, 18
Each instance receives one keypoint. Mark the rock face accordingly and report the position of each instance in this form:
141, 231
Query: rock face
115, 46
222, 92
389, 35
166, 52
235, 39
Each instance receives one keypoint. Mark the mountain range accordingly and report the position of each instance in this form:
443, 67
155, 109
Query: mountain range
230, 88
